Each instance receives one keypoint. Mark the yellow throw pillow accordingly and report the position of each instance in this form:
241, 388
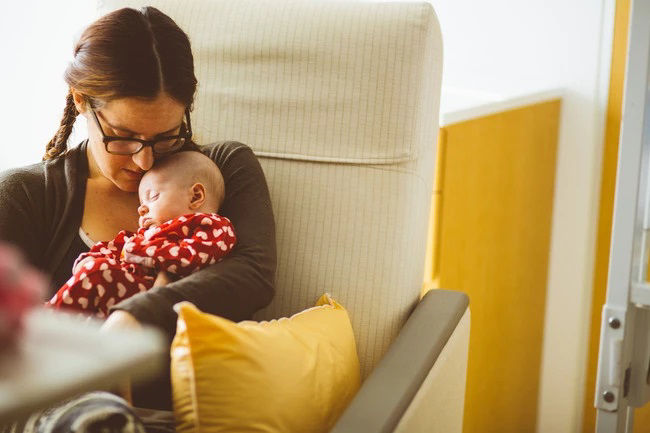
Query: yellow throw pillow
294, 374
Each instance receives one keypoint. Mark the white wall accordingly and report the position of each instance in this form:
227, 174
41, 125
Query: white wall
36, 41
509, 47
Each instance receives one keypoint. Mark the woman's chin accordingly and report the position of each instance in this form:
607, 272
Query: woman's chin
127, 185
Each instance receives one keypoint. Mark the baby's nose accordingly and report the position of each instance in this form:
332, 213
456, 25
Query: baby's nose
142, 210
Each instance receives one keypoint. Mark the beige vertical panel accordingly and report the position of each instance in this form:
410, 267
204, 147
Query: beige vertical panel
496, 178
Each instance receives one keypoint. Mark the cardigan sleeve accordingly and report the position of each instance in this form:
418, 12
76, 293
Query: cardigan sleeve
41, 207
21, 216
243, 282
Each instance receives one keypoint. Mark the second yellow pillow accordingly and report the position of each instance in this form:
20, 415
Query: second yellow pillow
289, 375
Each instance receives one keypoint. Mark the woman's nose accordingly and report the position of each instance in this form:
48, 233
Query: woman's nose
144, 158
142, 210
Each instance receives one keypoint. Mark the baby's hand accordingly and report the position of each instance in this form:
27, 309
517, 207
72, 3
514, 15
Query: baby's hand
162, 279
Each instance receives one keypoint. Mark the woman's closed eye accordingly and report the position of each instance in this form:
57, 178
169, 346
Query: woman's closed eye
124, 134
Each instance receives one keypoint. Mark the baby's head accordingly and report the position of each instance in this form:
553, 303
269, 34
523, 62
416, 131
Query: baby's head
182, 183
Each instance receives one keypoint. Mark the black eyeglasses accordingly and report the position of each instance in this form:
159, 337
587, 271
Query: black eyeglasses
133, 145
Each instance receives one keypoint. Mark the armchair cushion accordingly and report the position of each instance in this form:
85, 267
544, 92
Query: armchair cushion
294, 374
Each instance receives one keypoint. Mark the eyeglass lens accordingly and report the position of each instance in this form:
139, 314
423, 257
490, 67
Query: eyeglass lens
128, 147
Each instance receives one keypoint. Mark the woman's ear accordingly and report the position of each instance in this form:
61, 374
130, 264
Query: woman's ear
79, 100
198, 196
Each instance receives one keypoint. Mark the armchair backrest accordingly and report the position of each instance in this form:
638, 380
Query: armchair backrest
339, 100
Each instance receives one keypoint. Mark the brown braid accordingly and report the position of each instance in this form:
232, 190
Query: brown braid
59, 143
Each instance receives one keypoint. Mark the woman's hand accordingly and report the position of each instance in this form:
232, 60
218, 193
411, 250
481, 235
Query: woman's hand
120, 320
162, 279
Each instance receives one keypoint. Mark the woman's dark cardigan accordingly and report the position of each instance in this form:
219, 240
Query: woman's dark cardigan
41, 208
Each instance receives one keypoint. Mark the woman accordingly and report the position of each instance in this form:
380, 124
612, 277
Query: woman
132, 78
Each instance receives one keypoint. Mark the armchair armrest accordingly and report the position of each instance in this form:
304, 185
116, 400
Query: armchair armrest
390, 390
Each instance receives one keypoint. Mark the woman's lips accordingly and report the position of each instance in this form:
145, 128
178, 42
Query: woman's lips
133, 174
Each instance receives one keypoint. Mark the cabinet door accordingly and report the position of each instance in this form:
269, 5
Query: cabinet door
490, 239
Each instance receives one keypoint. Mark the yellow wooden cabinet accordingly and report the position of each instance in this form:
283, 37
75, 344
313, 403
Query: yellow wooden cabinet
490, 237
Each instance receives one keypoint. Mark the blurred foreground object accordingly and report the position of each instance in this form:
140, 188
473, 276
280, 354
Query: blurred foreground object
21, 288
60, 355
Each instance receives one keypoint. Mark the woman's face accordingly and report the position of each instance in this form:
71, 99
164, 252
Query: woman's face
130, 117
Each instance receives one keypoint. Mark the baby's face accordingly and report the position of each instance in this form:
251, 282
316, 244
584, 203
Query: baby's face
161, 199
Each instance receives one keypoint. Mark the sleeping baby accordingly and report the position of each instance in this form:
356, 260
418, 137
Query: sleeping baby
180, 233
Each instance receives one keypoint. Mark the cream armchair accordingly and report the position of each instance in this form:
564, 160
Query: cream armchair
340, 100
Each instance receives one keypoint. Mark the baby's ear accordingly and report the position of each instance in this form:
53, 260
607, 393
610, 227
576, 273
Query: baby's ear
198, 196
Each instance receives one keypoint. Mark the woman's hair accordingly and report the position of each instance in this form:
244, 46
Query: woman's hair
127, 53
